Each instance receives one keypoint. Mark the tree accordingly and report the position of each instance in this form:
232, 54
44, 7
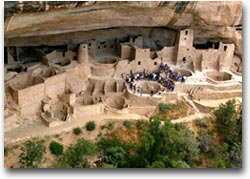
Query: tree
31, 154
229, 126
164, 144
76, 155
114, 152
226, 117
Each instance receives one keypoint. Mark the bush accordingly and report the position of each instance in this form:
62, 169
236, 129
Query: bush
163, 107
77, 131
6, 151
200, 123
127, 124
114, 152
226, 116
31, 154
76, 155
110, 126
90, 126
56, 148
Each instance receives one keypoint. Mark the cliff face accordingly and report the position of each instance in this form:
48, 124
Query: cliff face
39, 23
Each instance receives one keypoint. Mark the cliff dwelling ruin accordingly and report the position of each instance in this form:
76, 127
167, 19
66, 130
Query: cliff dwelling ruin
61, 73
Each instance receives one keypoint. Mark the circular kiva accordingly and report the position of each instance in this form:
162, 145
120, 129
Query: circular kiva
115, 101
148, 86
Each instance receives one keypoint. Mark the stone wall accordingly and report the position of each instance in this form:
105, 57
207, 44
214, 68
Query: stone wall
217, 95
142, 62
167, 53
185, 48
210, 59
227, 56
185, 88
169, 97
76, 78
141, 100
198, 60
141, 54
145, 110
126, 52
110, 86
100, 71
82, 55
29, 99
55, 86
105, 47
86, 111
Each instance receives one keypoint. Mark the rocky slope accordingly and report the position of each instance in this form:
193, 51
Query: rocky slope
40, 23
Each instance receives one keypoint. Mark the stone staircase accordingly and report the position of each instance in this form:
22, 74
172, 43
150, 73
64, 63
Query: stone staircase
194, 90
190, 102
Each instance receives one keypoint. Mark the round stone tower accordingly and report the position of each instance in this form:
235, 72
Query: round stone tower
83, 54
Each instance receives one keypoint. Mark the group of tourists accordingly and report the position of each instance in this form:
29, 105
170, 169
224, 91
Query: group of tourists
170, 77
165, 76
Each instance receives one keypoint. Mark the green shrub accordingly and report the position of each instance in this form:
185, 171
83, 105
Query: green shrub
163, 107
31, 154
77, 131
56, 148
114, 152
90, 126
110, 125
200, 123
226, 116
127, 124
76, 155
141, 124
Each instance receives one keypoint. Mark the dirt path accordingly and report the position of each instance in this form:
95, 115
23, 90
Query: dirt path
39, 129
190, 118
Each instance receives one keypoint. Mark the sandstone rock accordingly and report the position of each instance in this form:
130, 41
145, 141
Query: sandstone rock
70, 21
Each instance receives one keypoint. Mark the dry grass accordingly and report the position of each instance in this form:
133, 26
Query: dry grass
178, 110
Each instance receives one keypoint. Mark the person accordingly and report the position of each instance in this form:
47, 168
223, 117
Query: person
154, 76
146, 75
152, 91
183, 80
141, 92
131, 86
129, 80
134, 85
177, 77
172, 86
168, 69
161, 66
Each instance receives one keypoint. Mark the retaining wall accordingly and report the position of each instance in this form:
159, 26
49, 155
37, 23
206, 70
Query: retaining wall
86, 111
